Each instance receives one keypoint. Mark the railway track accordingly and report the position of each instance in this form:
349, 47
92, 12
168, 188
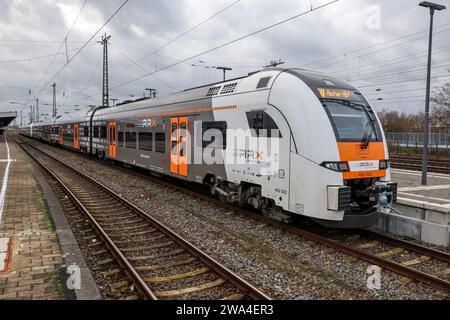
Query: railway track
159, 263
415, 163
411, 261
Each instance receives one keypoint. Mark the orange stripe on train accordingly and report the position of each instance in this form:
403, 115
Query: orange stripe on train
186, 111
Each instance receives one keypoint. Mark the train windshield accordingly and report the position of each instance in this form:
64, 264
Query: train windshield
352, 121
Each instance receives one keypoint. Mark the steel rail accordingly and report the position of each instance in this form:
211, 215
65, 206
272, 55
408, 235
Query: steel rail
430, 252
368, 257
123, 261
240, 283
414, 163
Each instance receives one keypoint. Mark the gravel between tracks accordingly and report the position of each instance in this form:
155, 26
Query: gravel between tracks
282, 265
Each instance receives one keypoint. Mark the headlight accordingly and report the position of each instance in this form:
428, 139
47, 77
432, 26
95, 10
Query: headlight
338, 166
384, 164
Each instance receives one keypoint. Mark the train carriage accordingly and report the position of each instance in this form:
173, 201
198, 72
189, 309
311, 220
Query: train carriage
285, 141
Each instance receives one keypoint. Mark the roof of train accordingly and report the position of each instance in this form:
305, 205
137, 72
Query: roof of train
311, 78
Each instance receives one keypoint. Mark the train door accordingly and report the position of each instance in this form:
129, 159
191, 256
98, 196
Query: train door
179, 146
61, 134
112, 140
76, 140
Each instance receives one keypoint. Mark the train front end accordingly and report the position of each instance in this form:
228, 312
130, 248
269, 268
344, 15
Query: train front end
340, 174
363, 159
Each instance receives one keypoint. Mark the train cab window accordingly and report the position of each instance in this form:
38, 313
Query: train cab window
103, 132
352, 121
96, 131
85, 131
145, 141
262, 125
120, 139
160, 142
130, 140
214, 134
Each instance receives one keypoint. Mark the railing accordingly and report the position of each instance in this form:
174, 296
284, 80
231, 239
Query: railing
439, 142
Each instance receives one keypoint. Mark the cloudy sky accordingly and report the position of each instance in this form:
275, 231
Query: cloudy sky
378, 45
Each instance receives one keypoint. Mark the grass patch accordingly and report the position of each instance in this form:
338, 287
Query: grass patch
39, 195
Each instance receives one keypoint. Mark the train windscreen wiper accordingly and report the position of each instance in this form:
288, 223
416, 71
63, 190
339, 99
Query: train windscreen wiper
367, 133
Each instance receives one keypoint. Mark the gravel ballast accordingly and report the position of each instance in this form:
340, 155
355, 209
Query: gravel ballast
281, 264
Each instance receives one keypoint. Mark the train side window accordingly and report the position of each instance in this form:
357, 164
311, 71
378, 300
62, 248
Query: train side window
160, 142
85, 131
103, 132
262, 125
120, 139
96, 131
145, 141
210, 131
130, 140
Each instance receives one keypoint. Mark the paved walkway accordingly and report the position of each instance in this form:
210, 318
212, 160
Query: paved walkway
32, 259
437, 192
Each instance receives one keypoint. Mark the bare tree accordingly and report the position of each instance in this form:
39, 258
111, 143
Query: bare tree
393, 121
441, 107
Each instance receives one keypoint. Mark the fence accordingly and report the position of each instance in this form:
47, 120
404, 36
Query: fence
438, 141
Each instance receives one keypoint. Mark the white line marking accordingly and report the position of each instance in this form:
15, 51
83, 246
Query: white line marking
425, 188
5, 182
420, 196
418, 173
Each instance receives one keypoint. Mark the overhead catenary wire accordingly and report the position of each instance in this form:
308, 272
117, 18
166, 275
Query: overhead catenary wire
38, 41
218, 47
228, 43
397, 72
64, 41
197, 25
142, 68
35, 58
401, 81
183, 34
389, 62
379, 50
376, 45
84, 46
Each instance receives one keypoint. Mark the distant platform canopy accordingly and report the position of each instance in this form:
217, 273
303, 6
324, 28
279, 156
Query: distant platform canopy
6, 118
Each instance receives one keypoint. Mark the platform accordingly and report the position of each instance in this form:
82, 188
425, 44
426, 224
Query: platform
436, 193
423, 211
34, 249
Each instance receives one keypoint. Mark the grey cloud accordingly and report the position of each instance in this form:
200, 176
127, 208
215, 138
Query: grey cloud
144, 25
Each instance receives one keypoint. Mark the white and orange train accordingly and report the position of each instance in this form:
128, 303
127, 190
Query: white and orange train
285, 141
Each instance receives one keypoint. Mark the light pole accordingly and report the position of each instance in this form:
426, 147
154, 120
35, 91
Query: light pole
54, 100
432, 7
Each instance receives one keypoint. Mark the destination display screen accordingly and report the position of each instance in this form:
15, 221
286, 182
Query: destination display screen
335, 93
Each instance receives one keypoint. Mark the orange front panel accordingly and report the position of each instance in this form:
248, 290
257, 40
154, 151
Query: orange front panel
76, 141
352, 151
174, 134
112, 140
182, 146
